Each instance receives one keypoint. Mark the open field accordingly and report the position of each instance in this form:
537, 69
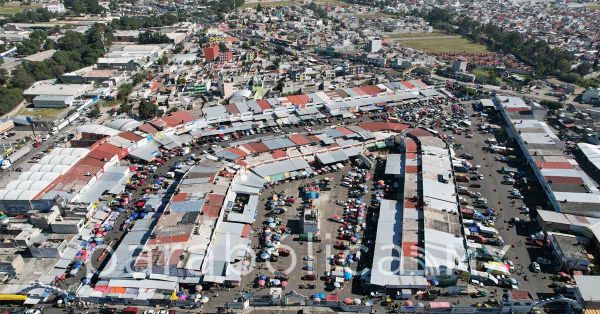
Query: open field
269, 3
444, 44
593, 6
374, 15
415, 35
42, 112
332, 3
14, 9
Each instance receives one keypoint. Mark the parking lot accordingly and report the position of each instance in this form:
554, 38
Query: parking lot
508, 207
312, 258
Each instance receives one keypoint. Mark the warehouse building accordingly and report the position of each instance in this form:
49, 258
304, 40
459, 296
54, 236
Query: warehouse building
43, 88
419, 236
568, 188
53, 101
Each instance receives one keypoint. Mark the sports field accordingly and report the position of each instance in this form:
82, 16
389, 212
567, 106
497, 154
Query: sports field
265, 4
338, 3
415, 35
443, 44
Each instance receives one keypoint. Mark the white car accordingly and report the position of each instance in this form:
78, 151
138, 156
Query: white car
309, 258
535, 267
524, 209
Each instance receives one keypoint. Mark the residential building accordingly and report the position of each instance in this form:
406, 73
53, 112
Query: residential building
591, 96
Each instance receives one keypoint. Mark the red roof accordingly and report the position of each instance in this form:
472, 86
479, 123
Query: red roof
211, 210
298, 139
410, 249
371, 89
410, 204
565, 180
169, 239
231, 109
408, 84
240, 153
107, 151
344, 131
359, 91
128, 135
418, 132
411, 169
241, 162
278, 153
411, 146
78, 176
179, 197
263, 104
177, 118
554, 165
314, 138
147, 128
411, 156
257, 147
215, 199
246, 231
299, 100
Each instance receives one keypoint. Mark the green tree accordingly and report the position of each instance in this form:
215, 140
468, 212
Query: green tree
21, 78
125, 107
584, 68
223, 47
124, 91
149, 37
3, 76
163, 60
138, 77
551, 105
49, 44
9, 98
422, 71
113, 5
147, 110
94, 112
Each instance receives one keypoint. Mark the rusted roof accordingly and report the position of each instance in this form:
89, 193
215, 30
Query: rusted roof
553, 165
256, 147
278, 153
299, 139
128, 135
107, 151
147, 128
263, 104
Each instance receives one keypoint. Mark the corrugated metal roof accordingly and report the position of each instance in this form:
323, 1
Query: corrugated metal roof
393, 164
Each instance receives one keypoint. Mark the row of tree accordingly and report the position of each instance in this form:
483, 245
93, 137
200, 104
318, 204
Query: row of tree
30, 16
150, 37
138, 22
84, 6
76, 50
36, 39
544, 59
